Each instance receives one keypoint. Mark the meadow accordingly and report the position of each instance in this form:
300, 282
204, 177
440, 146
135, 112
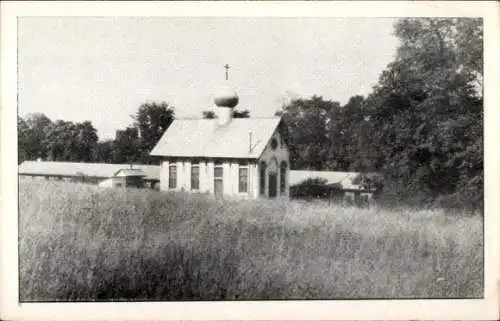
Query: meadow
82, 243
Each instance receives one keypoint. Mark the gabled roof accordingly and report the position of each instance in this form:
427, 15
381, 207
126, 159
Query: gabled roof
152, 172
343, 178
206, 138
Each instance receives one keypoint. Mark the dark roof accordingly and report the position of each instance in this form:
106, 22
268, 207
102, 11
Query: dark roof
206, 138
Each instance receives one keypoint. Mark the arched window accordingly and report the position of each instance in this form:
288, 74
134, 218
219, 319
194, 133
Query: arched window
262, 178
283, 174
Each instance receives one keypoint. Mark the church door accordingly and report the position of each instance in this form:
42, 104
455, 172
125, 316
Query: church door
273, 183
218, 187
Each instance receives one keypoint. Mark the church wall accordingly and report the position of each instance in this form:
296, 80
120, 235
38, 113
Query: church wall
254, 180
227, 184
281, 153
230, 173
203, 176
181, 176
187, 175
206, 178
164, 175
209, 178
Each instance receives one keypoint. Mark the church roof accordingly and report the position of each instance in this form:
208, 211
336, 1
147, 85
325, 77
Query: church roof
206, 138
47, 168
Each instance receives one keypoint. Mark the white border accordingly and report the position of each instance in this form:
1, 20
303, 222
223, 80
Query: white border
271, 310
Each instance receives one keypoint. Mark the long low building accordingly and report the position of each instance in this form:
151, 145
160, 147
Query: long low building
109, 175
123, 175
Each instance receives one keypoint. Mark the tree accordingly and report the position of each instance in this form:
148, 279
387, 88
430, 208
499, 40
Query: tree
241, 114
86, 141
68, 141
307, 121
126, 146
61, 141
33, 137
152, 120
348, 150
103, 152
23, 142
208, 114
427, 108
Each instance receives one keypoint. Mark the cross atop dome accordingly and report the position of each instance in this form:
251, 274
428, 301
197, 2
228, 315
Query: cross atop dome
225, 96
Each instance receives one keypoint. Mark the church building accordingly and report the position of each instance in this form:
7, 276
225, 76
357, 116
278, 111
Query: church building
244, 157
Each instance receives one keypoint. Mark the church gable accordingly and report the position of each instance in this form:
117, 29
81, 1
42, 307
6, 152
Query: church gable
276, 145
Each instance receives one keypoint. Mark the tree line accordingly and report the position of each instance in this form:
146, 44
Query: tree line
41, 138
421, 127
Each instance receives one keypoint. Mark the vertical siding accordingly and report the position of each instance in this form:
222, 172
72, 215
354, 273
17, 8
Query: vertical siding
203, 176
254, 180
235, 178
209, 179
250, 180
187, 175
227, 186
180, 175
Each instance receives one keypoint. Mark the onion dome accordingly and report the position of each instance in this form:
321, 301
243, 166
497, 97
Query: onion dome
226, 97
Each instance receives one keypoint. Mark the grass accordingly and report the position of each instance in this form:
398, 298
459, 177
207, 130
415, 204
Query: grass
79, 242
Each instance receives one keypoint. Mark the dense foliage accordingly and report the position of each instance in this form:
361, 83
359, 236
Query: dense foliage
210, 114
422, 125
40, 137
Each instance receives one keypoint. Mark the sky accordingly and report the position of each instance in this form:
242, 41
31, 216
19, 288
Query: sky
102, 69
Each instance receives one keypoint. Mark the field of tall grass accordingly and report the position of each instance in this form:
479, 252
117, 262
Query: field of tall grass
79, 242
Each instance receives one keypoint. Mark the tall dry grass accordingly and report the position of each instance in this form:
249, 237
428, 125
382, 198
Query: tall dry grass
79, 242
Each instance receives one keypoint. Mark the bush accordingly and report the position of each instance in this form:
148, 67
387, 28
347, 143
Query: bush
314, 188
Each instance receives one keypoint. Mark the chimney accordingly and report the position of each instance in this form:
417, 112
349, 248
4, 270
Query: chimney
224, 115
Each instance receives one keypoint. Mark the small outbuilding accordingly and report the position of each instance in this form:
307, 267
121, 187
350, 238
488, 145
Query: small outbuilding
126, 177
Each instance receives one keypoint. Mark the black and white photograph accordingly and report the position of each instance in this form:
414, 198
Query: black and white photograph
286, 158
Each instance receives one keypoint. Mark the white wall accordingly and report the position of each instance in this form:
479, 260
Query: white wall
231, 173
281, 153
230, 177
208, 178
164, 175
119, 182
